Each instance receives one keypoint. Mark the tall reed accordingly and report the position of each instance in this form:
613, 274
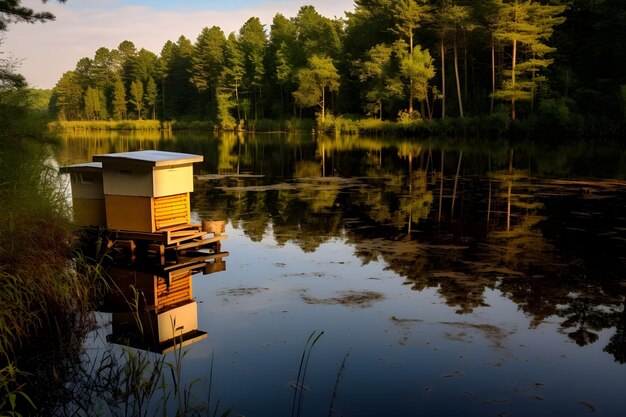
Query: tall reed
44, 300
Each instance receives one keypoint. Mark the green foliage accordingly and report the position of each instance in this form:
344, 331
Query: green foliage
39, 99
95, 104
43, 298
208, 60
119, 100
253, 43
319, 76
136, 97
224, 118
11, 11
520, 52
526, 25
151, 96
417, 67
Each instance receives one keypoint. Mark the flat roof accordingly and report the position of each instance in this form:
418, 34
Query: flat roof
84, 167
151, 158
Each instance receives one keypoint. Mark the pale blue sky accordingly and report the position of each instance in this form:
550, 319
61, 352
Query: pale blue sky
46, 51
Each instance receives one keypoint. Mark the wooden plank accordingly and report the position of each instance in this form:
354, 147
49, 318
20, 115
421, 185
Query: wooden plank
180, 212
181, 226
124, 234
171, 197
198, 243
161, 224
200, 258
128, 213
190, 266
157, 249
180, 233
171, 210
179, 240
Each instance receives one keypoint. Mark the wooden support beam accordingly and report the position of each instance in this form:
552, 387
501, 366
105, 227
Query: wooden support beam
200, 242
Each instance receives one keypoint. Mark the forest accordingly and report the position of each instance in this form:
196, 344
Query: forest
559, 63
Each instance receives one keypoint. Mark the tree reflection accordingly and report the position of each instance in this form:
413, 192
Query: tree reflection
492, 227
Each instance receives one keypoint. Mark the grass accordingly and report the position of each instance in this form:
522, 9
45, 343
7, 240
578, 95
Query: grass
123, 381
44, 299
299, 387
97, 125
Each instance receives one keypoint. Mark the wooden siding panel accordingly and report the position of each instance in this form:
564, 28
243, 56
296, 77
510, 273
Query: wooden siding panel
171, 210
178, 291
89, 212
129, 213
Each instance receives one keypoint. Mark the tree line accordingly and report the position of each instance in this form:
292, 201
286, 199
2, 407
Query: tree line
387, 59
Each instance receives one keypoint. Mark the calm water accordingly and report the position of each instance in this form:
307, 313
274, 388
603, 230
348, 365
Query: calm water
450, 279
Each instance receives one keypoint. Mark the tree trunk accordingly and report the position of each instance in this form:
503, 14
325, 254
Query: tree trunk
237, 98
411, 86
493, 72
261, 102
443, 80
411, 97
456, 182
465, 83
458, 81
513, 62
441, 187
323, 103
532, 90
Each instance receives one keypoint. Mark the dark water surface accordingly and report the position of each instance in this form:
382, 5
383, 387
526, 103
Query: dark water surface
454, 278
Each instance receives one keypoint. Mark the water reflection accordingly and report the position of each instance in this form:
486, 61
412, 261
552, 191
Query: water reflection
152, 303
466, 278
502, 229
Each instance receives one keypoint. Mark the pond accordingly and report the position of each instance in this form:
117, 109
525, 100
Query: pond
449, 278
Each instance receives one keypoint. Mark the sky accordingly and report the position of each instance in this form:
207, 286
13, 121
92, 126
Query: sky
44, 51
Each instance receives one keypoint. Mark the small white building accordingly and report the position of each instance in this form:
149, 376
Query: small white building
147, 191
87, 193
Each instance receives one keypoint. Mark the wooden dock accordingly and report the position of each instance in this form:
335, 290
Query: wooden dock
169, 242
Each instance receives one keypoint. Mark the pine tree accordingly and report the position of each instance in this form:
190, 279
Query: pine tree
119, 100
409, 14
136, 97
208, 66
151, 96
525, 25
233, 70
253, 42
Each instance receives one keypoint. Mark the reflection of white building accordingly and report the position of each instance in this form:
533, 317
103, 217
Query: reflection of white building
158, 332
156, 311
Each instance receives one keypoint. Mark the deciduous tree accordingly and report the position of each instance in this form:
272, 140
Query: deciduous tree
380, 74
417, 67
319, 76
